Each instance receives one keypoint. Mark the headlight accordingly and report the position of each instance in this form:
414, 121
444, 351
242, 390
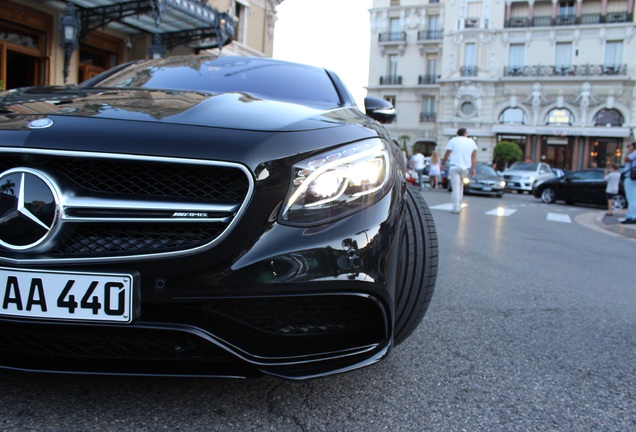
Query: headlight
528, 178
502, 183
337, 183
467, 180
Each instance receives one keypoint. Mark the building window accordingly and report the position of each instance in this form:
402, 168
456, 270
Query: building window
390, 98
392, 65
434, 28
468, 109
395, 2
240, 30
566, 9
559, 116
517, 58
563, 59
431, 69
428, 109
473, 14
613, 54
513, 116
608, 118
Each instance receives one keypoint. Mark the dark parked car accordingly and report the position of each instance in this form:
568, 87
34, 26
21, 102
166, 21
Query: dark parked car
584, 186
198, 215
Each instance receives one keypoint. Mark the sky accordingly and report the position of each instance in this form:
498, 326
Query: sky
333, 34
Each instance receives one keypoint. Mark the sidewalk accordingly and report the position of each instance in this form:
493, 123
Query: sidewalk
613, 223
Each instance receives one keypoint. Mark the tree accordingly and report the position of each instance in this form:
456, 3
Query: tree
506, 152
404, 139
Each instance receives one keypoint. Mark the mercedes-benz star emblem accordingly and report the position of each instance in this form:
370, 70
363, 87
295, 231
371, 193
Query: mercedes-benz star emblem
29, 208
40, 123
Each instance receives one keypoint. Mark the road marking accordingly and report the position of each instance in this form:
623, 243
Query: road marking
447, 207
559, 217
501, 211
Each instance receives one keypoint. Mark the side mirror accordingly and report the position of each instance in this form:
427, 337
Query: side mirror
379, 109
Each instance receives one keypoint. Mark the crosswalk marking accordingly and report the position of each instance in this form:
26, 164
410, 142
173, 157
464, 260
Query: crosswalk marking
501, 211
559, 217
507, 211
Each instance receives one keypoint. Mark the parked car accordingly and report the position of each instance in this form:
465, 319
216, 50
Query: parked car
484, 182
203, 215
524, 176
584, 186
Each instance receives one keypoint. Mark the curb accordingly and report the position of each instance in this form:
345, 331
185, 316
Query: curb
614, 225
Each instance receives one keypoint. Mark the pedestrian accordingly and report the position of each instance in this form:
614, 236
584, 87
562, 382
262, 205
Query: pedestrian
613, 179
630, 184
461, 153
418, 164
434, 169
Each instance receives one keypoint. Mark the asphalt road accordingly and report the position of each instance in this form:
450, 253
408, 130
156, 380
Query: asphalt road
532, 328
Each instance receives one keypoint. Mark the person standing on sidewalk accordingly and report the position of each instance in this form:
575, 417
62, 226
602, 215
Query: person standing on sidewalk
418, 163
461, 153
613, 179
630, 185
434, 169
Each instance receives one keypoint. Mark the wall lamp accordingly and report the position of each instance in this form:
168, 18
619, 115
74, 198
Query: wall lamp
70, 26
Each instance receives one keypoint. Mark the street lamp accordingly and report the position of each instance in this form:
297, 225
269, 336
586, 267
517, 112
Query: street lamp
157, 50
70, 26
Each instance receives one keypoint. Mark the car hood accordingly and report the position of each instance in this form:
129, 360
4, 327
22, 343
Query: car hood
227, 110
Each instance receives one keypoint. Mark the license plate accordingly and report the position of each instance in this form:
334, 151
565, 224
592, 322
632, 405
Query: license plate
66, 296
487, 188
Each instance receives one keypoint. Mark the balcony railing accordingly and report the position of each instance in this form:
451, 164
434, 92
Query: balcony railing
429, 35
559, 71
391, 80
566, 20
426, 117
427, 79
392, 37
468, 71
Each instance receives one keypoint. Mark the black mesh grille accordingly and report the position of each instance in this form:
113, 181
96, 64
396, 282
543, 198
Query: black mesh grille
156, 179
113, 238
105, 343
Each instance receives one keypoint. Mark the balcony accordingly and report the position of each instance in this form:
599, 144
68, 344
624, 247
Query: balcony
568, 20
429, 35
586, 70
392, 37
427, 79
468, 71
427, 117
391, 80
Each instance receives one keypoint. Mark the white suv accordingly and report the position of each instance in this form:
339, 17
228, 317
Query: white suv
524, 176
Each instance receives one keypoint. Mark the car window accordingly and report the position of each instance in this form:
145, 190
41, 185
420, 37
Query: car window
524, 166
485, 170
587, 175
260, 77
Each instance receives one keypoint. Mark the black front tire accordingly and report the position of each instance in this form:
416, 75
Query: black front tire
417, 267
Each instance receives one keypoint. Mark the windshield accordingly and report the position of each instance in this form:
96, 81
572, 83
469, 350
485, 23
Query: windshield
524, 166
266, 78
485, 170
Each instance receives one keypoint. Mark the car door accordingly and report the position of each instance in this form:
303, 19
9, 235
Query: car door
588, 186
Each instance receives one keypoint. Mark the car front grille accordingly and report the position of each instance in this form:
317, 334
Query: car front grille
138, 206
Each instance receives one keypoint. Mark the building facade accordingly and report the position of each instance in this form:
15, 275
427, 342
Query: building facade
556, 77
105, 33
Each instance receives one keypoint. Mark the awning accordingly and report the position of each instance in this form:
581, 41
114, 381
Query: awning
616, 132
177, 22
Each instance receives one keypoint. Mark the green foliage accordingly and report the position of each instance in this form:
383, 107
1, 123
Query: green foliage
506, 152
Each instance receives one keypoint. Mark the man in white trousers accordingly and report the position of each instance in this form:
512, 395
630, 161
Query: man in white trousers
461, 153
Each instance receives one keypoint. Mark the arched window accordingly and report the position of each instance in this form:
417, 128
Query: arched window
608, 117
512, 115
559, 116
